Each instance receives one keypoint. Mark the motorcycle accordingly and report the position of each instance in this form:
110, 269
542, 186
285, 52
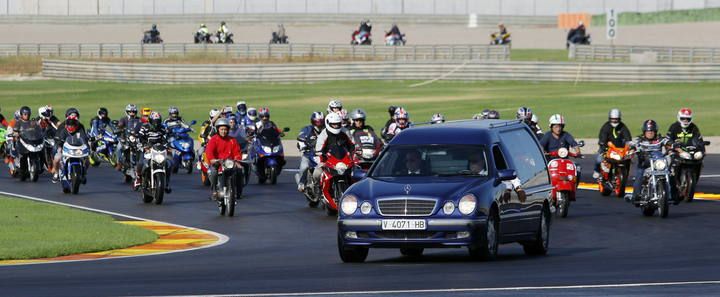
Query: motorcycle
277, 39
105, 147
202, 38
311, 191
360, 38
614, 170
369, 147
72, 168
13, 162
268, 155
500, 39
580, 39
655, 191
30, 151
154, 176
148, 38
48, 152
182, 146
224, 38
686, 169
230, 186
336, 178
129, 145
394, 39
565, 177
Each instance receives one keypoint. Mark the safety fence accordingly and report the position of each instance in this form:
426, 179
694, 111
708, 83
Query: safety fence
658, 54
261, 51
390, 70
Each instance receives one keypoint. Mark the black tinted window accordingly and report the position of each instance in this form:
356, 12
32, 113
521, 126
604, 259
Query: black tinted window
525, 156
500, 163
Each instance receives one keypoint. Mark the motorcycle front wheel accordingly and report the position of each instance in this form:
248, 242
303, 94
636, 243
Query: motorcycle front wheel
159, 190
663, 203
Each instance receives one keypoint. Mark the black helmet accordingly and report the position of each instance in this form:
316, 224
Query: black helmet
72, 110
493, 115
391, 110
25, 110
154, 26
649, 125
155, 120
222, 23
102, 111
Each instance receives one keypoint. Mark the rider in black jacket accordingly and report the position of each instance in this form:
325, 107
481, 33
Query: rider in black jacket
613, 131
152, 133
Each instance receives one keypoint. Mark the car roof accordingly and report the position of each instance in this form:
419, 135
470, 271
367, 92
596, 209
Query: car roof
455, 132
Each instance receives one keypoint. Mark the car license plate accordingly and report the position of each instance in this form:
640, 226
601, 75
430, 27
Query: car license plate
404, 225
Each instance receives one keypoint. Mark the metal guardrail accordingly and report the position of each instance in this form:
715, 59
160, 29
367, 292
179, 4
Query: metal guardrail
252, 51
664, 54
389, 70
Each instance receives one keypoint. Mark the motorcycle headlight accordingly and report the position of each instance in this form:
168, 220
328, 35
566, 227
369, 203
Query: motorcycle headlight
158, 158
228, 164
131, 138
562, 152
77, 152
448, 208
186, 145
685, 155
698, 155
467, 204
349, 204
365, 207
276, 149
660, 164
615, 156
340, 168
267, 149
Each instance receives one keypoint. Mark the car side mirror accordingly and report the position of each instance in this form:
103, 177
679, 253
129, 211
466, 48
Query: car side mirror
286, 129
581, 143
507, 174
193, 122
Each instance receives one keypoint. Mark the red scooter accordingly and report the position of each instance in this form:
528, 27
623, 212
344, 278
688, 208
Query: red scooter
336, 177
565, 176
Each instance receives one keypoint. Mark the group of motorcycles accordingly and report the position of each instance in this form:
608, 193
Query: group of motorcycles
219, 37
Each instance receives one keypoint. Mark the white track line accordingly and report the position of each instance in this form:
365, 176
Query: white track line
709, 175
604, 286
222, 239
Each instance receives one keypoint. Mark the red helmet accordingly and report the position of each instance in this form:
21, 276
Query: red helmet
684, 117
264, 112
71, 123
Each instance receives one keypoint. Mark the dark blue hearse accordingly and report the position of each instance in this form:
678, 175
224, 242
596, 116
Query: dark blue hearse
447, 185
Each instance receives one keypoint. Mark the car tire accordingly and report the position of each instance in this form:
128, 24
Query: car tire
412, 252
540, 245
486, 247
351, 254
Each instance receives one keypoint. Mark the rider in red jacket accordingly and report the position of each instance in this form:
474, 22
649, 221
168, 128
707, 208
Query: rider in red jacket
221, 147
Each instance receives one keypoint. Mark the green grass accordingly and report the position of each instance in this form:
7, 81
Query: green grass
663, 17
539, 55
33, 230
584, 105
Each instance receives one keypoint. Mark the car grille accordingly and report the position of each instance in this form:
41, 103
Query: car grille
406, 207
414, 234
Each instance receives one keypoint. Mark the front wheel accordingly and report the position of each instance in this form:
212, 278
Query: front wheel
486, 248
688, 186
273, 175
620, 178
563, 205
351, 254
159, 189
663, 203
75, 182
231, 197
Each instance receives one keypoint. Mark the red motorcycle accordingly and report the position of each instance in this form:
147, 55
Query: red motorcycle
565, 176
336, 177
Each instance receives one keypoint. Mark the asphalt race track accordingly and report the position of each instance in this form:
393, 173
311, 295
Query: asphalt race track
279, 245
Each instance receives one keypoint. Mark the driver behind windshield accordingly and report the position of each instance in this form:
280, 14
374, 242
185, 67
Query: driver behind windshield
413, 164
476, 164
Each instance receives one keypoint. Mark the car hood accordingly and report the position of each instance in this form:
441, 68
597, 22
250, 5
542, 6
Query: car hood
440, 187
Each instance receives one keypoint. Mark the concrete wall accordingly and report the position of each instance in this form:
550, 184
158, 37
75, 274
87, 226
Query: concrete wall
430, 7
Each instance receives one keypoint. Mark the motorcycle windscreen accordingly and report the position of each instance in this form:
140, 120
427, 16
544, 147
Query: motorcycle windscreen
75, 140
269, 137
32, 135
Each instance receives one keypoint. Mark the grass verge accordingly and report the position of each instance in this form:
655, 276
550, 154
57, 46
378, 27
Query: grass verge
584, 106
20, 65
539, 55
34, 230
663, 17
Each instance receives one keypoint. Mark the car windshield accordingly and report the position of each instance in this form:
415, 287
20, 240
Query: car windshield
432, 160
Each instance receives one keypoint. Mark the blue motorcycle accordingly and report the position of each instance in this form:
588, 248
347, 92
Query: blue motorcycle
72, 172
183, 155
268, 155
105, 147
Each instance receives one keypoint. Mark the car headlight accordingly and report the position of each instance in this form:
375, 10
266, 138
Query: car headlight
698, 155
349, 204
228, 164
158, 158
276, 149
448, 208
467, 204
267, 149
660, 164
615, 156
340, 168
365, 207
562, 152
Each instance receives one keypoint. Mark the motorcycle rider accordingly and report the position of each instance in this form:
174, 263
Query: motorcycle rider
558, 138
208, 126
437, 118
306, 143
359, 117
237, 131
391, 112
202, 34
649, 136
220, 147
149, 134
525, 115
576, 35
402, 122
241, 112
265, 122
333, 135
394, 30
98, 124
174, 119
145, 114
613, 131
335, 105
223, 32
365, 26
685, 131
154, 32
71, 127
129, 122
249, 121
499, 36
47, 117
345, 118
24, 122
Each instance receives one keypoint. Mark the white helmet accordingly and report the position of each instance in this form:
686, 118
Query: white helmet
614, 114
534, 119
214, 112
437, 118
335, 103
333, 123
42, 110
684, 117
557, 119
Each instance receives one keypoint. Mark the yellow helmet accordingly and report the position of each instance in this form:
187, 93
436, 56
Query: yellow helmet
146, 111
